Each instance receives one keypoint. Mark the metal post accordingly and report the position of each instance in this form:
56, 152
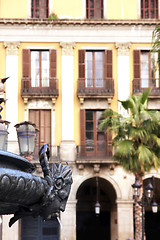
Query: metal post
142, 218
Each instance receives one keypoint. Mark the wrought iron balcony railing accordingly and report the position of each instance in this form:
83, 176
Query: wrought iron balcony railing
91, 151
98, 87
139, 85
50, 90
54, 153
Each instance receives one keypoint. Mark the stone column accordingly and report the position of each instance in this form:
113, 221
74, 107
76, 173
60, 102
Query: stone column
125, 219
7, 232
123, 74
68, 220
12, 92
67, 148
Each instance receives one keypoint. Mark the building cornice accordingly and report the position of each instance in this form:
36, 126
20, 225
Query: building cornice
31, 21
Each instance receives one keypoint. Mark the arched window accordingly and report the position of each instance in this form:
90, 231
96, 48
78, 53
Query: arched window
149, 9
94, 9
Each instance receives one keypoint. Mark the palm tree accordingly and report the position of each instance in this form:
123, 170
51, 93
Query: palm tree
136, 141
156, 39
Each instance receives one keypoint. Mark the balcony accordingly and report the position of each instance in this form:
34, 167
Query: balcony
99, 88
100, 153
54, 153
140, 85
35, 92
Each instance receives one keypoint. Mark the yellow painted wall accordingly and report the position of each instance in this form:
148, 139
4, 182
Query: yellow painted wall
68, 8
114, 103
58, 106
122, 9
13, 8
116, 9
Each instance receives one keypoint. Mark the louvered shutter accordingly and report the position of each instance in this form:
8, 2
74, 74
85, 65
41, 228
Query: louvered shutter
83, 131
53, 68
136, 70
109, 143
26, 69
81, 68
37, 229
26, 59
108, 64
108, 70
29, 228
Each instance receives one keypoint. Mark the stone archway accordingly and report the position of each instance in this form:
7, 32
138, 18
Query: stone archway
90, 226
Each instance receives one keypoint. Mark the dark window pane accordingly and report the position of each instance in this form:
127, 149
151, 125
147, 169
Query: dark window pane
89, 126
89, 115
91, 3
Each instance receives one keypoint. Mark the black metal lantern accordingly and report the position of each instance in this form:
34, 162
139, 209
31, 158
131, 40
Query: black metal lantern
154, 207
97, 205
149, 192
3, 134
26, 132
97, 208
136, 186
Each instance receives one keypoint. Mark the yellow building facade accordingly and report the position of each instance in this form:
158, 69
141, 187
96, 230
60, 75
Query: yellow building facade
67, 61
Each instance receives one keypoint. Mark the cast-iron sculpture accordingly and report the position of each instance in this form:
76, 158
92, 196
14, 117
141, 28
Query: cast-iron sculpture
24, 194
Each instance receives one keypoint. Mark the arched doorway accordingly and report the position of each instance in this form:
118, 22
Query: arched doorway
90, 226
152, 220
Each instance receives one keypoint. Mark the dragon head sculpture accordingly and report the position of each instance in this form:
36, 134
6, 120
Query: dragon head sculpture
56, 198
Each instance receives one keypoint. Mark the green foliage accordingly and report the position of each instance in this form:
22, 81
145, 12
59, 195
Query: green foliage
53, 16
136, 139
156, 39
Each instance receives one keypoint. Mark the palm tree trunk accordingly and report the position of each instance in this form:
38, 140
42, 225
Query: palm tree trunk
139, 214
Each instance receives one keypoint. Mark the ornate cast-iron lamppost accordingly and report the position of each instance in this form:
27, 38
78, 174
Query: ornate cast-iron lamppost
26, 132
22, 192
148, 198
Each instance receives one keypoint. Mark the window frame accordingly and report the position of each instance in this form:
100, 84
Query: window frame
94, 9
94, 79
35, 116
143, 9
40, 80
34, 8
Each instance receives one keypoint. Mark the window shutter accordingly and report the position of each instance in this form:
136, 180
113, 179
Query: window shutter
109, 143
136, 70
136, 63
108, 64
83, 130
26, 59
81, 61
53, 68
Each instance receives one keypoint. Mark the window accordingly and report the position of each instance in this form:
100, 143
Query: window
95, 68
149, 9
42, 119
39, 9
94, 9
39, 68
93, 140
146, 73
